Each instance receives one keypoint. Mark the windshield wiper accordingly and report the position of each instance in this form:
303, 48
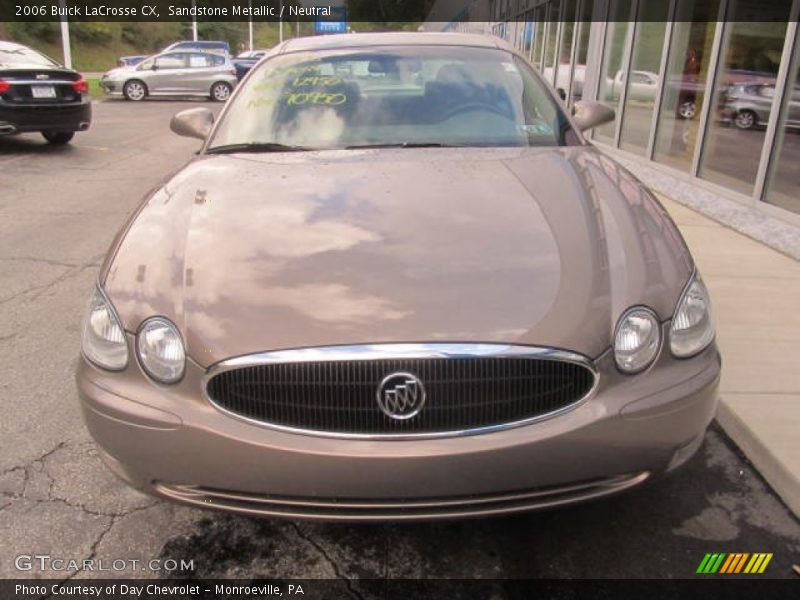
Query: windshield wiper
402, 145
255, 147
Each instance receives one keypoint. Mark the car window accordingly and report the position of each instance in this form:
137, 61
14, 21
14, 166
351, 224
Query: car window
171, 61
19, 55
198, 61
446, 95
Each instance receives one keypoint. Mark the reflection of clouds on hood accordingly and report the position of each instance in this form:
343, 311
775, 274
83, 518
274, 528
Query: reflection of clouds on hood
334, 303
257, 238
313, 126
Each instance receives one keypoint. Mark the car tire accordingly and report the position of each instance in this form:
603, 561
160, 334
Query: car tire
134, 90
687, 110
745, 119
58, 138
221, 91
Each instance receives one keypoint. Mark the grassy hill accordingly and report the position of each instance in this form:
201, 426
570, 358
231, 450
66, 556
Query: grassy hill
96, 46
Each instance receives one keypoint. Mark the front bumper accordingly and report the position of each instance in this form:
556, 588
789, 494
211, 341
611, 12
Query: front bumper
57, 117
112, 87
170, 442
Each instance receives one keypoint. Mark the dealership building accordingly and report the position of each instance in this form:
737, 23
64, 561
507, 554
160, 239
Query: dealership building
706, 92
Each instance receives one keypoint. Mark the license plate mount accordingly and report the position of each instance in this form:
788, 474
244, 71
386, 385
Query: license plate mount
43, 91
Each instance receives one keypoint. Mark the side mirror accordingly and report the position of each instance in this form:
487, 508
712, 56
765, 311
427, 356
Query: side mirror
588, 115
562, 94
193, 122
154, 67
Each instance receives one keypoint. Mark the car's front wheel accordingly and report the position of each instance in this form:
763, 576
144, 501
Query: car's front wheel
221, 91
58, 138
135, 90
745, 119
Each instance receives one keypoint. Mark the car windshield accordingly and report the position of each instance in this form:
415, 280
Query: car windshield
20, 55
392, 96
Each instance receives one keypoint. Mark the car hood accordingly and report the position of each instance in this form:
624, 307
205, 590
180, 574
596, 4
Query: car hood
255, 252
118, 72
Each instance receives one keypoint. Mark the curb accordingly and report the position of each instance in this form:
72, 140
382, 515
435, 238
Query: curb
782, 480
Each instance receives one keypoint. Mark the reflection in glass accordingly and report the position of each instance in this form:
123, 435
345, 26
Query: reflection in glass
611, 73
550, 53
565, 50
643, 76
684, 83
527, 39
538, 36
743, 95
582, 49
783, 187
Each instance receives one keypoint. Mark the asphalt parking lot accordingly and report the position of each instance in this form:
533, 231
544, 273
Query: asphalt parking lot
59, 209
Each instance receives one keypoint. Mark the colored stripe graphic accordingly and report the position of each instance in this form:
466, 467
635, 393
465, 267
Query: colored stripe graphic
734, 563
711, 563
767, 558
741, 562
703, 563
727, 564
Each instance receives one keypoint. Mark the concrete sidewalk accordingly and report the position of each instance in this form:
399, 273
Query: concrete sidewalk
755, 292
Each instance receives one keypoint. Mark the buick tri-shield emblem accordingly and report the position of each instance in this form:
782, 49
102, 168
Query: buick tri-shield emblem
401, 395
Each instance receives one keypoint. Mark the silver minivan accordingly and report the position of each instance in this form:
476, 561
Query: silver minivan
178, 73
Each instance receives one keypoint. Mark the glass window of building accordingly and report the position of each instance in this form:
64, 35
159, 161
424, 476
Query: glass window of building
527, 40
538, 35
743, 92
783, 187
581, 50
568, 27
550, 50
685, 81
611, 75
643, 78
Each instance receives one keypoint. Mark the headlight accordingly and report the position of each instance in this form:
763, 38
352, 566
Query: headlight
637, 340
692, 327
160, 350
103, 340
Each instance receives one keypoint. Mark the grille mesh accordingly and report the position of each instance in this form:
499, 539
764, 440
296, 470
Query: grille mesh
340, 396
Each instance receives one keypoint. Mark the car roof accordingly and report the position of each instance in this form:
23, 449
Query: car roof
202, 43
10, 45
395, 38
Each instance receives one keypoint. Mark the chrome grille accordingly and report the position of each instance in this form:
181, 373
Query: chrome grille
335, 395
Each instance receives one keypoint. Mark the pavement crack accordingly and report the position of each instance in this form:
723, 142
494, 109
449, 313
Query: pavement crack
339, 575
49, 496
10, 336
38, 290
113, 520
47, 261
31, 462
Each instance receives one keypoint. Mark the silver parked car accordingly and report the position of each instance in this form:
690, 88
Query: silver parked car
748, 105
174, 74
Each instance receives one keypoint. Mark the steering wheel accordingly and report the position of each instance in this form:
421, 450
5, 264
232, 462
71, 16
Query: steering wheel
476, 106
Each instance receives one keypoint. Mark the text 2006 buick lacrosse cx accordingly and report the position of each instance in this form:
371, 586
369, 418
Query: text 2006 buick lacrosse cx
397, 283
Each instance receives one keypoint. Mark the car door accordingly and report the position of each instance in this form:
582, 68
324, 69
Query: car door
169, 74
201, 72
641, 87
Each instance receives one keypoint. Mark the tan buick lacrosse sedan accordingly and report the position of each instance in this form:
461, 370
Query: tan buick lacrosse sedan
397, 283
